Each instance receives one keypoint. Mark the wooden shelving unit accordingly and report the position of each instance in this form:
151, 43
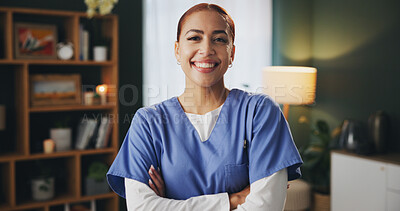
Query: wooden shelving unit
25, 119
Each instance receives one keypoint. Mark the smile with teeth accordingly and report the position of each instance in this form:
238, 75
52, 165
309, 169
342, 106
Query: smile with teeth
205, 64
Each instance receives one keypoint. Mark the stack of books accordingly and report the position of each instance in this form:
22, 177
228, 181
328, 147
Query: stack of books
93, 133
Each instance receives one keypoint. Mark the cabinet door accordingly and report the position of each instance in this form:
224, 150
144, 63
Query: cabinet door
393, 187
357, 184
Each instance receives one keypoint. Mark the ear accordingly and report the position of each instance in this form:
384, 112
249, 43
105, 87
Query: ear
232, 54
177, 55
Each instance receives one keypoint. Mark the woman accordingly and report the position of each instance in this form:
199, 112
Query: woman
210, 143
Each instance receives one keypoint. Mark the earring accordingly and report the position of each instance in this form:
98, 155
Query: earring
178, 63
231, 64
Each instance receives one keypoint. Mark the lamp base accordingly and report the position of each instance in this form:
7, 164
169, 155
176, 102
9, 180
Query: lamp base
286, 111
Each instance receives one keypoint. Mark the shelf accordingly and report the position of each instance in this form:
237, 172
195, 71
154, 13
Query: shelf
61, 199
19, 157
66, 154
5, 207
71, 108
55, 62
10, 156
58, 200
21, 149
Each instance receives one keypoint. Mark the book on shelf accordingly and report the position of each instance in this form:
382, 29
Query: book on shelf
93, 134
84, 43
104, 133
86, 129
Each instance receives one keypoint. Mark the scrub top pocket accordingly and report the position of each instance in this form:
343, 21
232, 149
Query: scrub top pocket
236, 177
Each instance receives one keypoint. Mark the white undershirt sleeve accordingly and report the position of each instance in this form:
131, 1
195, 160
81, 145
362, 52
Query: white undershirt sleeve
267, 194
141, 197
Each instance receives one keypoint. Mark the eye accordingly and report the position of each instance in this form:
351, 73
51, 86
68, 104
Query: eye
220, 39
194, 38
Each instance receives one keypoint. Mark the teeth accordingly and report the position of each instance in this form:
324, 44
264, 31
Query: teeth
204, 65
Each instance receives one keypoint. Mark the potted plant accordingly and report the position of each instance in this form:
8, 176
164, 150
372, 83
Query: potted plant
61, 134
96, 182
316, 167
42, 183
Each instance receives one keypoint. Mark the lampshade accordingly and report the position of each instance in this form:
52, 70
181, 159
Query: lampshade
290, 84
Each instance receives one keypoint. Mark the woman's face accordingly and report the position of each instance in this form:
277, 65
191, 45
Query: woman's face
205, 48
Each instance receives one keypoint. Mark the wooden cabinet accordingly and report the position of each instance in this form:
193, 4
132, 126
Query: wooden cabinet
27, 125
365, 182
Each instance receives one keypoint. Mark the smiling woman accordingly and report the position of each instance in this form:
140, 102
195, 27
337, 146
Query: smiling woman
205, 45
162, 77
204, 149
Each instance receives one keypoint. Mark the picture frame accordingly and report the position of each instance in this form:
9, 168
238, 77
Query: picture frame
55, 89
35, 41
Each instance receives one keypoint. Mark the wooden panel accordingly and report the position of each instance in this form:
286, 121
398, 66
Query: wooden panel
70, 108
42, 11
72, 34
110, 30
12, 182
65, 154
57, 62
21, 103
73, 166
9, 54
5, 184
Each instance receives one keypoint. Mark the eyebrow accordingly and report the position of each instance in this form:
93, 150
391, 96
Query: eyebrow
202, 32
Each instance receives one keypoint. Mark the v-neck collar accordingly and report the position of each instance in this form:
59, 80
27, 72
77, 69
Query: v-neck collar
217, 123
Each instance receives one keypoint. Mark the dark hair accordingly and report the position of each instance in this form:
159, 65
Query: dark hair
209, 7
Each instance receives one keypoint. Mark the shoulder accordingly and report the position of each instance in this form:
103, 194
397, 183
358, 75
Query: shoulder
254, 100
156, 112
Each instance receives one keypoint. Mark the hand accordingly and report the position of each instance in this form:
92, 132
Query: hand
158, 186
238, 198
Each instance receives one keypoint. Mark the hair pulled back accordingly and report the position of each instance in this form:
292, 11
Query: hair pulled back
208, 7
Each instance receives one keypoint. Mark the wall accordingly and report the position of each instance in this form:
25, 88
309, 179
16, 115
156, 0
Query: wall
355, 46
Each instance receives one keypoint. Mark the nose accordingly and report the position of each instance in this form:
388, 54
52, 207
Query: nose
206, 48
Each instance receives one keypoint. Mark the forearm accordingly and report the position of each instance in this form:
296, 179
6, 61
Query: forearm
140, 197
267, 194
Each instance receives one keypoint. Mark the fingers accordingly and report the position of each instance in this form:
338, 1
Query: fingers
153, 187
247, 190
158, 175
156, 181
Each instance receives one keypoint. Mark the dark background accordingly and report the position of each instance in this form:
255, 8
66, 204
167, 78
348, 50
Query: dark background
355, 47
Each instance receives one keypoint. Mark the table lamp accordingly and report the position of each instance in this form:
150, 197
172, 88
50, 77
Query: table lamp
293, 85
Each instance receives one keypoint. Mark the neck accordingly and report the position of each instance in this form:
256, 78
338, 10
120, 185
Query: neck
200, 100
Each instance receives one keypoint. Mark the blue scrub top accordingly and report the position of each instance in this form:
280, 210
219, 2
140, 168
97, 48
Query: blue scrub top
251, 140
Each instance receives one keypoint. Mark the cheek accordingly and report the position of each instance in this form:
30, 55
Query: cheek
186, 53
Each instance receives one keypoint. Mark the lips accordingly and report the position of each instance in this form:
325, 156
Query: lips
205, 66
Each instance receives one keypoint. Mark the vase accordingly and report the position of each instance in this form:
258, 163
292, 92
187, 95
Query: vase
62, 138
99, 53
94, 187
42, 188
